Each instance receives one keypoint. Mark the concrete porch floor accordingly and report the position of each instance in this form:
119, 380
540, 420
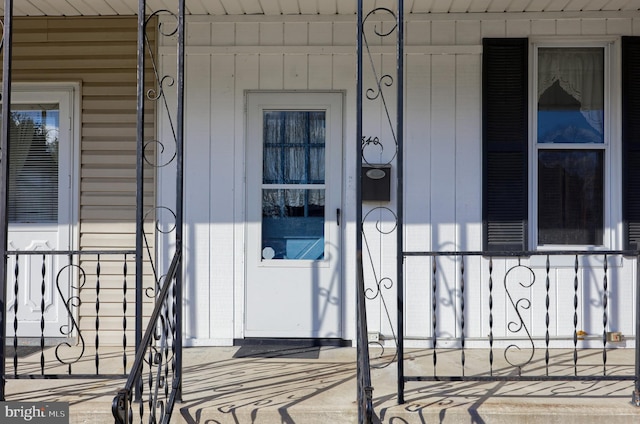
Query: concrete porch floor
220, 389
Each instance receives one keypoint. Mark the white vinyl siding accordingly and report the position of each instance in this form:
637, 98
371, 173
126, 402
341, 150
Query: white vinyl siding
226, 56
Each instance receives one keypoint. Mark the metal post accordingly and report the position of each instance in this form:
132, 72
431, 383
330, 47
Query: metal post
179, 191
142, 5
636, 392
358, 219
399, 194
7, 40
359, 139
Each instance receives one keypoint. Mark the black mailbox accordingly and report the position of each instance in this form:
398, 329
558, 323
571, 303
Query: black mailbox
376, 183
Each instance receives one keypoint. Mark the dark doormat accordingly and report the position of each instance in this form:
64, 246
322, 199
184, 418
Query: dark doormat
283, 348
278, 351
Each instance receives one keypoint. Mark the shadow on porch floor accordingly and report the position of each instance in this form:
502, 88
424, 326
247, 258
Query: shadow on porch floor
219, 388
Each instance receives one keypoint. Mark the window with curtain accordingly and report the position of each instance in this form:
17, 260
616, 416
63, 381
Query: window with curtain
293, 194
571, 141
570, 145
33, 164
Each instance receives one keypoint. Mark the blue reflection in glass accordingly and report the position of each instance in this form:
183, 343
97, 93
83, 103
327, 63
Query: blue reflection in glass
567, 126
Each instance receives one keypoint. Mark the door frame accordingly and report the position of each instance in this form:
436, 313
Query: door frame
49, 92
248, 203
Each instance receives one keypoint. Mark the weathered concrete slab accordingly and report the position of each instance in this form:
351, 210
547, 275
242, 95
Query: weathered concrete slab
221, 389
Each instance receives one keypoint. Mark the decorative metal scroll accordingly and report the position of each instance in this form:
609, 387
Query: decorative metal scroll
158, 92
156, 373
379, 93
381, 284
383, 82
70, 304
520, 305
158, 153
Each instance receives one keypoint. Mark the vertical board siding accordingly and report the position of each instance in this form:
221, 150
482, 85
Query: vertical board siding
443, 165
197, 182
222, 219
100, 53
417, 233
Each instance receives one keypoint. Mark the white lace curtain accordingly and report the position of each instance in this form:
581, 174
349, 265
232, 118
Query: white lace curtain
294, 153
580, 72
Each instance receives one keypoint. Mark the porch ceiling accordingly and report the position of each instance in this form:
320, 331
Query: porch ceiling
312, 7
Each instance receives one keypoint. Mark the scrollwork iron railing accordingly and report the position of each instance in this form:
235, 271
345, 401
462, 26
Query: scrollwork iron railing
381, 284
160, 357
377, 94
532, 316
160, 349
385, 85
73, 284
46, 292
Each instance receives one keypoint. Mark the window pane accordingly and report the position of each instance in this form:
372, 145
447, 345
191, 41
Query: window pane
33, 164
292, 224
294, 147
570, 197
571, 95
293, 153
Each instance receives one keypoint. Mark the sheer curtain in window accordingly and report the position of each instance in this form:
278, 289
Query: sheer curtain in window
579, 72
294, 153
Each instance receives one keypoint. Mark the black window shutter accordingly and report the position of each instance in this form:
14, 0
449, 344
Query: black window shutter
631, 141
505, 143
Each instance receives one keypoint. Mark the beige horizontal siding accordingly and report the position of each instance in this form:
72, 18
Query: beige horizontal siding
101, 54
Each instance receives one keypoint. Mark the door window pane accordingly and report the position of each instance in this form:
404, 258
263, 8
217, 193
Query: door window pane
293, 195
293, 224
33, 164
294, 147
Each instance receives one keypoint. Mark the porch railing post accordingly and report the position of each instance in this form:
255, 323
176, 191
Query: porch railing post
142, 4
179, 191
636, 392
7, 40
359, 140
358, 219
399, 194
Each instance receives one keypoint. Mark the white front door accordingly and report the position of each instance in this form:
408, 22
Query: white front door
294, 180
40, 209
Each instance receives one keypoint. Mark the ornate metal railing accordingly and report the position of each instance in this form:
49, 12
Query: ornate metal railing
160, 350
157, 359
542, 315
46, 290
374, 27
